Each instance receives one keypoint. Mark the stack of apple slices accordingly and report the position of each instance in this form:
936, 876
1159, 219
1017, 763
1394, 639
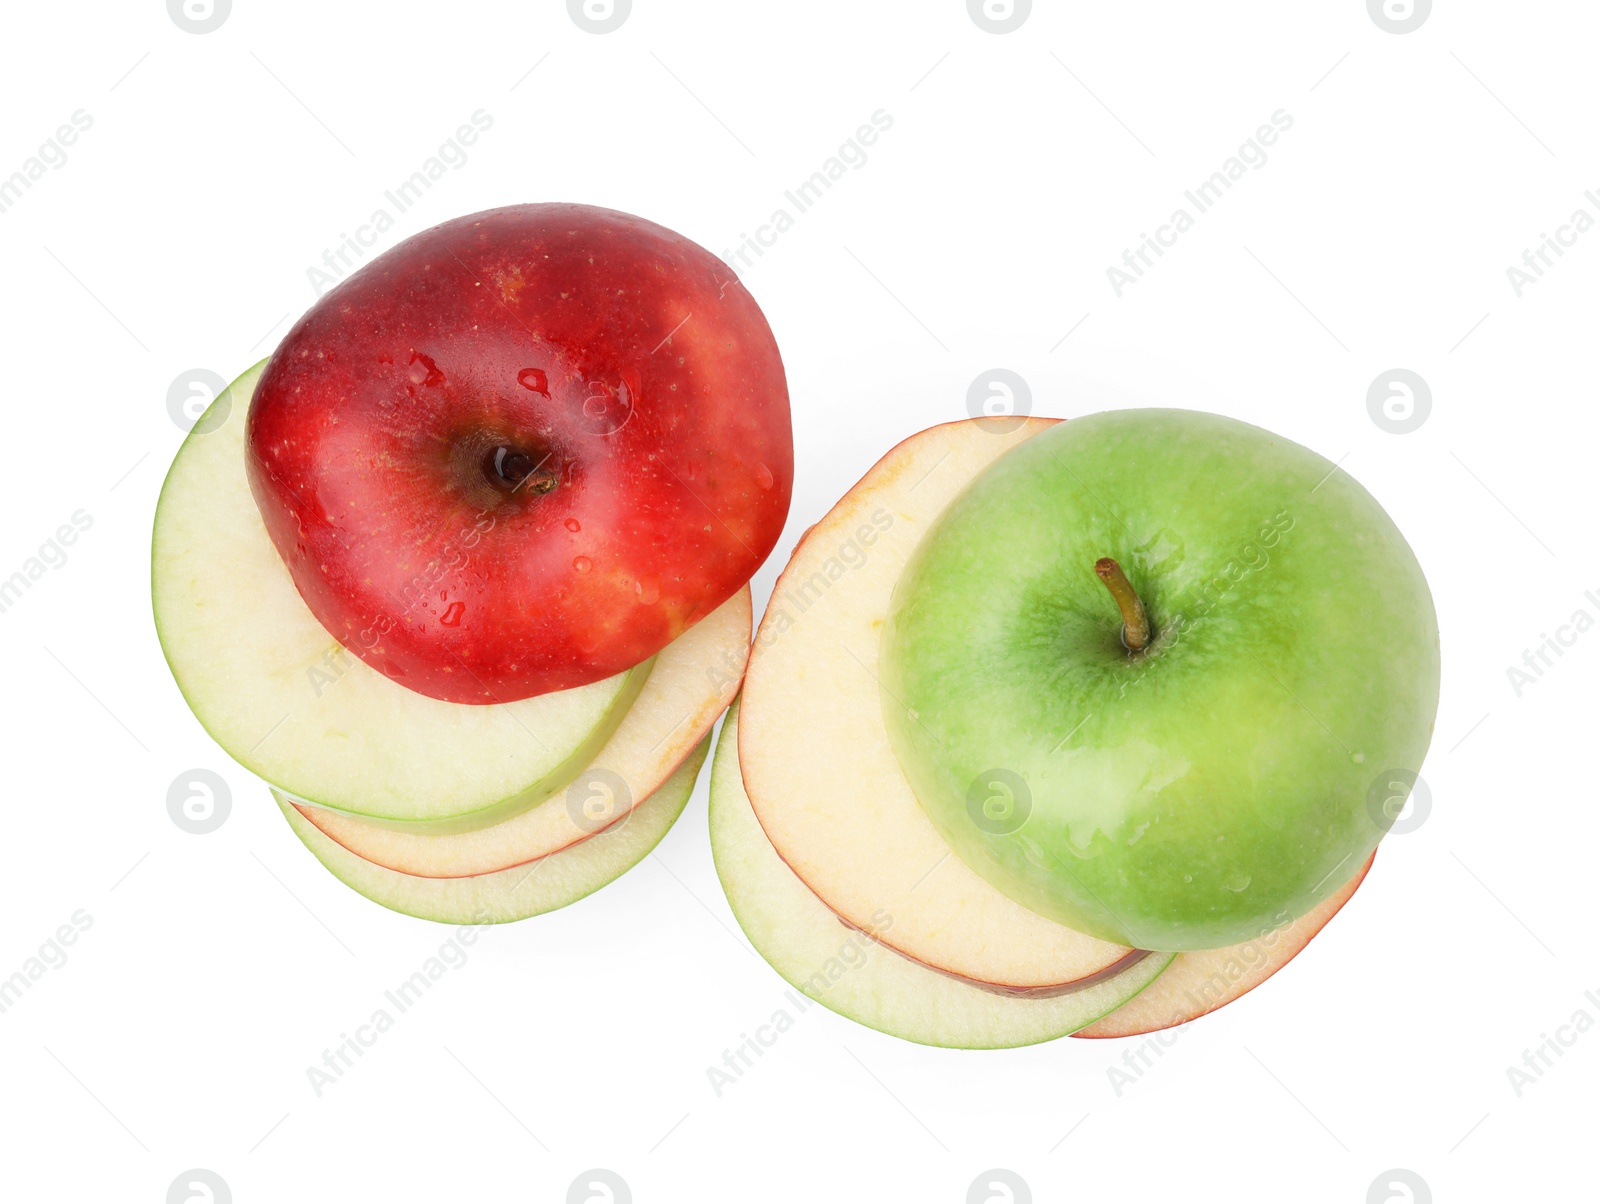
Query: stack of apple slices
834, 869
448, 811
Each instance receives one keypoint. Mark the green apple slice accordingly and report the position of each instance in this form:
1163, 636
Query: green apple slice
821, 773
850, 973
1196, 984
694, 679
525, 890
284, 698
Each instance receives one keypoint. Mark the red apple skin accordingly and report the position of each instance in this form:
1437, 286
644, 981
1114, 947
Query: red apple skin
1110, 1026
642, 400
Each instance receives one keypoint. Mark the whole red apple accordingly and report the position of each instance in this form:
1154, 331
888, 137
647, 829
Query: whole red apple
523, 450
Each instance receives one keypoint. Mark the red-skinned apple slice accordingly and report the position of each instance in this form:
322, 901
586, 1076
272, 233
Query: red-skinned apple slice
281, 696
525, 890
597, 396
1197, 984
862, 979
821, 775
694, 679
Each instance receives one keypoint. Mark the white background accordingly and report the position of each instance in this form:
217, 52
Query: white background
977, 235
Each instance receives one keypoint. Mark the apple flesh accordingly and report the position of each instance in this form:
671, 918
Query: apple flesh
822, 776
555, 881
856, 976
523, 451
1183, 796
1197, 984
286, 701
694, 679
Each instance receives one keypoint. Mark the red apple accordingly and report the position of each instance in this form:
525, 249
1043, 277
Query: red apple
523, 450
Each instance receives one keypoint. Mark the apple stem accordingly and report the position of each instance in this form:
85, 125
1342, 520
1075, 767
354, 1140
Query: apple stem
1135, 624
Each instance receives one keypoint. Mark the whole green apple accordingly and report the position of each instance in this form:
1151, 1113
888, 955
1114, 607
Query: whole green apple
1153, 673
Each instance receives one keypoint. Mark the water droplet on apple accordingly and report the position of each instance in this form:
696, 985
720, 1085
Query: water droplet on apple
764, 477
452, 614
582, 564
423, 371
535, 380
572, 524
1188, 877
1237, 882
1358, 758
649, 592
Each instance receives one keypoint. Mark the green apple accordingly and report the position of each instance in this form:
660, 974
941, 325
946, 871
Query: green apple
1215, 778
863, 979
525, 890
823, 778
694, 679
285, 699
1198, 983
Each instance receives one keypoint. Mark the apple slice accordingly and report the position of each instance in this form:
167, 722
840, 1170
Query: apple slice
861, 978
822, 776
694, 679
285, 699
1199, 983
524, 890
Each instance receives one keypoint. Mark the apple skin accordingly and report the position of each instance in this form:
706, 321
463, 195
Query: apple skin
1217, 783
1199, 983
641, 480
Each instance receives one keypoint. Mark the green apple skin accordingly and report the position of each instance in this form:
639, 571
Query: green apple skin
1217, 784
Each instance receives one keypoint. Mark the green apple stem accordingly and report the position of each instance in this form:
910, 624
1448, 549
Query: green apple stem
1135, 623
